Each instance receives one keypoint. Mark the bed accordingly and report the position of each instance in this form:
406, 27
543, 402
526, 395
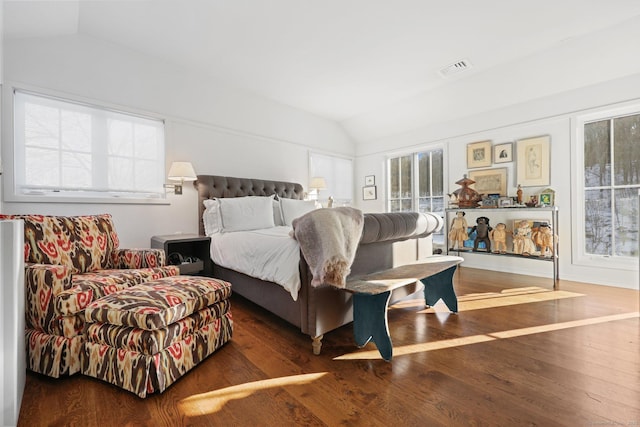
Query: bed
388, 240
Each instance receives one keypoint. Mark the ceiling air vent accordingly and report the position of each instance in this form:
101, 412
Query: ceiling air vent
455, 68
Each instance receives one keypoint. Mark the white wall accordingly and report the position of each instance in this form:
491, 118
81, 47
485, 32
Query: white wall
1, 80
575, 63
12, 358
544, 116
220, 130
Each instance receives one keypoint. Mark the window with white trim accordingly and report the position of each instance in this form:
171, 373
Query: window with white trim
416, 182
338, 175
608, 148
67, 149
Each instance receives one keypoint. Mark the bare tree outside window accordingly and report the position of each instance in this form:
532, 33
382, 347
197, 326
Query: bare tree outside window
611, 183
417, 182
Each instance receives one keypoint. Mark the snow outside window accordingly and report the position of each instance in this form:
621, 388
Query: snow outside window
608, 148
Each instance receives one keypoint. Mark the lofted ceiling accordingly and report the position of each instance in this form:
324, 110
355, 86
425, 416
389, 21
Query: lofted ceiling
338, 59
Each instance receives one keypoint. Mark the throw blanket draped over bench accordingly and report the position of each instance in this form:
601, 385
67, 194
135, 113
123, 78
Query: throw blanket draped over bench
328, 240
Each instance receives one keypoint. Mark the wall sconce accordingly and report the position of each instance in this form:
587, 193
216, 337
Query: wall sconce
180, 171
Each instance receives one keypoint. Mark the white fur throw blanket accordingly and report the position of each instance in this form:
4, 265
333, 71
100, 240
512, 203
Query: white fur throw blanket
328, 240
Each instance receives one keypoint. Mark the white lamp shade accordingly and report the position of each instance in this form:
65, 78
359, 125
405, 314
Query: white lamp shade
318, 183
182, 171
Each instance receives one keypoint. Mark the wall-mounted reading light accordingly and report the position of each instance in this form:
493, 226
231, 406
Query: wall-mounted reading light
180, 171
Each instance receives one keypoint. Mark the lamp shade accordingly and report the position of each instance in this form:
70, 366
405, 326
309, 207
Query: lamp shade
182, 171
318, 183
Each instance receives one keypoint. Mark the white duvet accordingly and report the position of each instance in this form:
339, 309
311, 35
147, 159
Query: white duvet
269, 254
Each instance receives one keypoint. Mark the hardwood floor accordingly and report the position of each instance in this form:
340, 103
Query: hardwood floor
517, 353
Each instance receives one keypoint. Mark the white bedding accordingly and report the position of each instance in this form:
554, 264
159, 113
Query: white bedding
269, 254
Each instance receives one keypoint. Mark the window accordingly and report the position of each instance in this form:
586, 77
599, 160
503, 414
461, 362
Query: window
338, 175
68, 149
416, 182
609, 180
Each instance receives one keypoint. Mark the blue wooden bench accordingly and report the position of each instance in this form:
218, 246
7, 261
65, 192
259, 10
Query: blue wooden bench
371, 294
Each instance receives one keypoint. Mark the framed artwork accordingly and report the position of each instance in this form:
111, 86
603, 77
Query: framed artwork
533, 164
506, 202
370, 180
503, 153
490, 181
479, 154
490, 202
547, 197
369, 192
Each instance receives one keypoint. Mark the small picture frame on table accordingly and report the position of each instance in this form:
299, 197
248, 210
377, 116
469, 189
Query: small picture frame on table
370, 180
506, 202
369, 192
547, 197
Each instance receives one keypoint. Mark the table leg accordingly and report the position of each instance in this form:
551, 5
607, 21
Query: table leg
441, 286
370, 322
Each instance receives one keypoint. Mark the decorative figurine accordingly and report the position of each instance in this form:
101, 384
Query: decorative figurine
522, 243
543, 238
519, 193
453, 199
499, 237
482, 229
467, 197
458, 231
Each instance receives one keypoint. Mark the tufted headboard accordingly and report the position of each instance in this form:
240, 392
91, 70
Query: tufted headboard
210, 186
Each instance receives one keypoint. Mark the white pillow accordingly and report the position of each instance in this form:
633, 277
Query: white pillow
211, 217
246, 213
277, 213
292, 208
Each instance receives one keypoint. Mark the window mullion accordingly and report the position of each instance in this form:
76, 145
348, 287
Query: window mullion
612, 194
415, 191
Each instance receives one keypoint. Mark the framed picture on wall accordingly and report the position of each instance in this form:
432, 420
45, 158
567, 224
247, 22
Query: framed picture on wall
370, 180
503, 153
479, 154
490, 181
369, 192
533, 161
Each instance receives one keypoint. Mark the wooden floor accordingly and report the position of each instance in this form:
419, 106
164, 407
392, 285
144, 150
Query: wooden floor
517, 353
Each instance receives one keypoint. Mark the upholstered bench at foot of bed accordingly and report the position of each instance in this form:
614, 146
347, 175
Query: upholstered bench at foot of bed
144, 338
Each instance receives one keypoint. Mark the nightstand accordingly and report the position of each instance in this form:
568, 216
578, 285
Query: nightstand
189, 252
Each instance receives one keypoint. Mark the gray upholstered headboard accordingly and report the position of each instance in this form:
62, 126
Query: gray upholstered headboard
210, 186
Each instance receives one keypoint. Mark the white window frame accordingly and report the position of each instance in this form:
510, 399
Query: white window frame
11, 167
339, 185
415, 197
579, 256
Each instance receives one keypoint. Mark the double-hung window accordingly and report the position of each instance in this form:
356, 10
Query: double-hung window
416, 182
608, 169
67, 149
338, 176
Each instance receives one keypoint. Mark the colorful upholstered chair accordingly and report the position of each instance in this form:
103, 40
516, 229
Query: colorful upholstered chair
70, 262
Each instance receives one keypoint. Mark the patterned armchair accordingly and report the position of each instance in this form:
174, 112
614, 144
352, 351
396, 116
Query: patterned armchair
70, 262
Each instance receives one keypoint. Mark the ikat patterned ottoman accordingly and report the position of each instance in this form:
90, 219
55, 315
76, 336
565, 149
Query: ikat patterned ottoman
146, 337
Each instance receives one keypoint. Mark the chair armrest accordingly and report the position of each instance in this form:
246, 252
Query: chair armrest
43, 283
139, 258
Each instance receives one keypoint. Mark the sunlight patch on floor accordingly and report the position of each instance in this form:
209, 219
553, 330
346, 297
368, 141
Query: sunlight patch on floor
213, 401
475, 339
484, 300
